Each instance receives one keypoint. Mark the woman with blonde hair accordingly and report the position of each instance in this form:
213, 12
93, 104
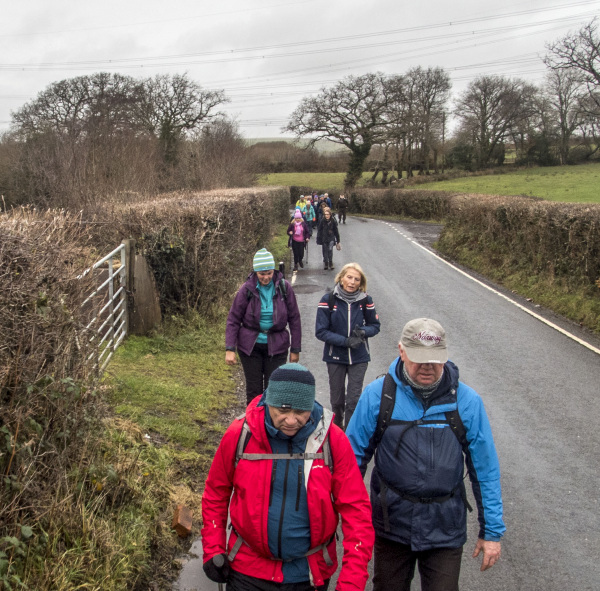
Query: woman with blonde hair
346, 319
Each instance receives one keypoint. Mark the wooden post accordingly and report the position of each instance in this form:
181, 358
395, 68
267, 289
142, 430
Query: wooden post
129, 279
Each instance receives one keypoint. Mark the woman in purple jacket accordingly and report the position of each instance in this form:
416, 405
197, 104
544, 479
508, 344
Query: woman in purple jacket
263, 317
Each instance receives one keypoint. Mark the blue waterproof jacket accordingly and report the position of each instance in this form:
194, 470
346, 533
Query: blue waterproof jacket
425, 461
336, 326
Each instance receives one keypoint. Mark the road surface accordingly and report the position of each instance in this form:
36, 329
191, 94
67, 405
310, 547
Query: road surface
539, 377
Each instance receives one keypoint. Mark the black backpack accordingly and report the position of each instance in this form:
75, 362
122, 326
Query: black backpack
386, 407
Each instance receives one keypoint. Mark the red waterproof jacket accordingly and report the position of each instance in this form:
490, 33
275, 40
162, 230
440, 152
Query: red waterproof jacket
329, 495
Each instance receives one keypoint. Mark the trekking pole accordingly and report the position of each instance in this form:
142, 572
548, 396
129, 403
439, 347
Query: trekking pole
219, 561
306, 246
282, 268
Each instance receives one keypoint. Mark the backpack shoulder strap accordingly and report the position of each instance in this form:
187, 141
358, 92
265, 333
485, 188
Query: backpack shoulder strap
331, 301
327, 456
386, 406
458, 428
242, 441
283, 288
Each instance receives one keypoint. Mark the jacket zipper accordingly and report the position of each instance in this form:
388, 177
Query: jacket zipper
273, 472
349, 325
431, 466
280, 533
299, 488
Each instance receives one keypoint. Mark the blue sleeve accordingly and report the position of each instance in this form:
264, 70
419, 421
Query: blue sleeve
362, 425
482, 464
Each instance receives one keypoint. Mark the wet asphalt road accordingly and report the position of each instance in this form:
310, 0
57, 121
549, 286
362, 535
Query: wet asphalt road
541, 390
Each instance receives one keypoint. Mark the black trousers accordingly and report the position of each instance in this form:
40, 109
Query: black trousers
394, 567
343, 401
298, 250
258, 367
239, 582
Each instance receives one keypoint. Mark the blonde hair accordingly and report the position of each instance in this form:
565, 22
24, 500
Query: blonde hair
356, 267
326, 209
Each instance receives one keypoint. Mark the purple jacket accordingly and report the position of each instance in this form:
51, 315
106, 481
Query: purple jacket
243, 322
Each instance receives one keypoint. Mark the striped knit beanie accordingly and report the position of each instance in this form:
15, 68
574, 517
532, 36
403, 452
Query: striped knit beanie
291, 386
263, 261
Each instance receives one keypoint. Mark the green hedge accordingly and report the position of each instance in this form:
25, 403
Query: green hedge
555, 239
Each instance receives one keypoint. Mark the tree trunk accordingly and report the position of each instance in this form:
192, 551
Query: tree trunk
355, 167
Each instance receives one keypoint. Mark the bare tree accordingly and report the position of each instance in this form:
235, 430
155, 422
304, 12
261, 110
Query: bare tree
580, 53
563, 90
81, 105
351, 113
490, 109
417, 101
88, 137
174, 105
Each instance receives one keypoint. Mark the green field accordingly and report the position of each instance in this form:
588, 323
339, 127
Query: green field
579, 184
319, 181
574, 184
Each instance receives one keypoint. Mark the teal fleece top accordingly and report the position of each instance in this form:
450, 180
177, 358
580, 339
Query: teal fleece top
267, 293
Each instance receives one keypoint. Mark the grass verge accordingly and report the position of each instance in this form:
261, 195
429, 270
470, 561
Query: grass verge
580, 304
171, 397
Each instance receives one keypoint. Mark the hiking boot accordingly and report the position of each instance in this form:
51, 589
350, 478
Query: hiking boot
301, 265
325, 267
295, 267
331, 265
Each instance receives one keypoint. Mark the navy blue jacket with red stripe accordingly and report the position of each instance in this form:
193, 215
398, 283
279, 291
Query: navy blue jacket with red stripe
335, 326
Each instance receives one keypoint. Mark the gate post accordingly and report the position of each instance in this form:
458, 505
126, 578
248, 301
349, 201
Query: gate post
129, 279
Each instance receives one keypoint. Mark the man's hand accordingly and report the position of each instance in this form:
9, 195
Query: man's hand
217, 568
491, 553
230, 358
294, 357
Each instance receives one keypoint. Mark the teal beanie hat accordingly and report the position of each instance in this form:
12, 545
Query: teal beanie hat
263, 261
291, 386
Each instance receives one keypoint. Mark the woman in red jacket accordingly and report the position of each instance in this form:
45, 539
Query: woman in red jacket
286, 473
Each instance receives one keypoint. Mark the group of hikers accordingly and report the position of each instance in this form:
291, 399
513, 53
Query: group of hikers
315, 211
289, 468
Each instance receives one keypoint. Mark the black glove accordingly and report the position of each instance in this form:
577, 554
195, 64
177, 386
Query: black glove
217, 568
359, 332
353, 342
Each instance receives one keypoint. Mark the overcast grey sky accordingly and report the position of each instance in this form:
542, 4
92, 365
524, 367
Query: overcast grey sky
268, 54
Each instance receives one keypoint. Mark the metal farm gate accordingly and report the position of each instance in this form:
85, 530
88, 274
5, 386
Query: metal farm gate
108, 307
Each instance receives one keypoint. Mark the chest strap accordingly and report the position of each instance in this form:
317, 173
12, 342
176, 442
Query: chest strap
284, 456
384, 486
321, 547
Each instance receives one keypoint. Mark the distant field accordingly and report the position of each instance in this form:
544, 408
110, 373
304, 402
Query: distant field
316, 180
579, 184
575, 184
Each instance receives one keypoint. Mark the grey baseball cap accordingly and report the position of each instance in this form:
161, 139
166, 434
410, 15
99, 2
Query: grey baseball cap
424, 341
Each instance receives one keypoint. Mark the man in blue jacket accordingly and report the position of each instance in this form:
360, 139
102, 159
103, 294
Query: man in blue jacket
419, 503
